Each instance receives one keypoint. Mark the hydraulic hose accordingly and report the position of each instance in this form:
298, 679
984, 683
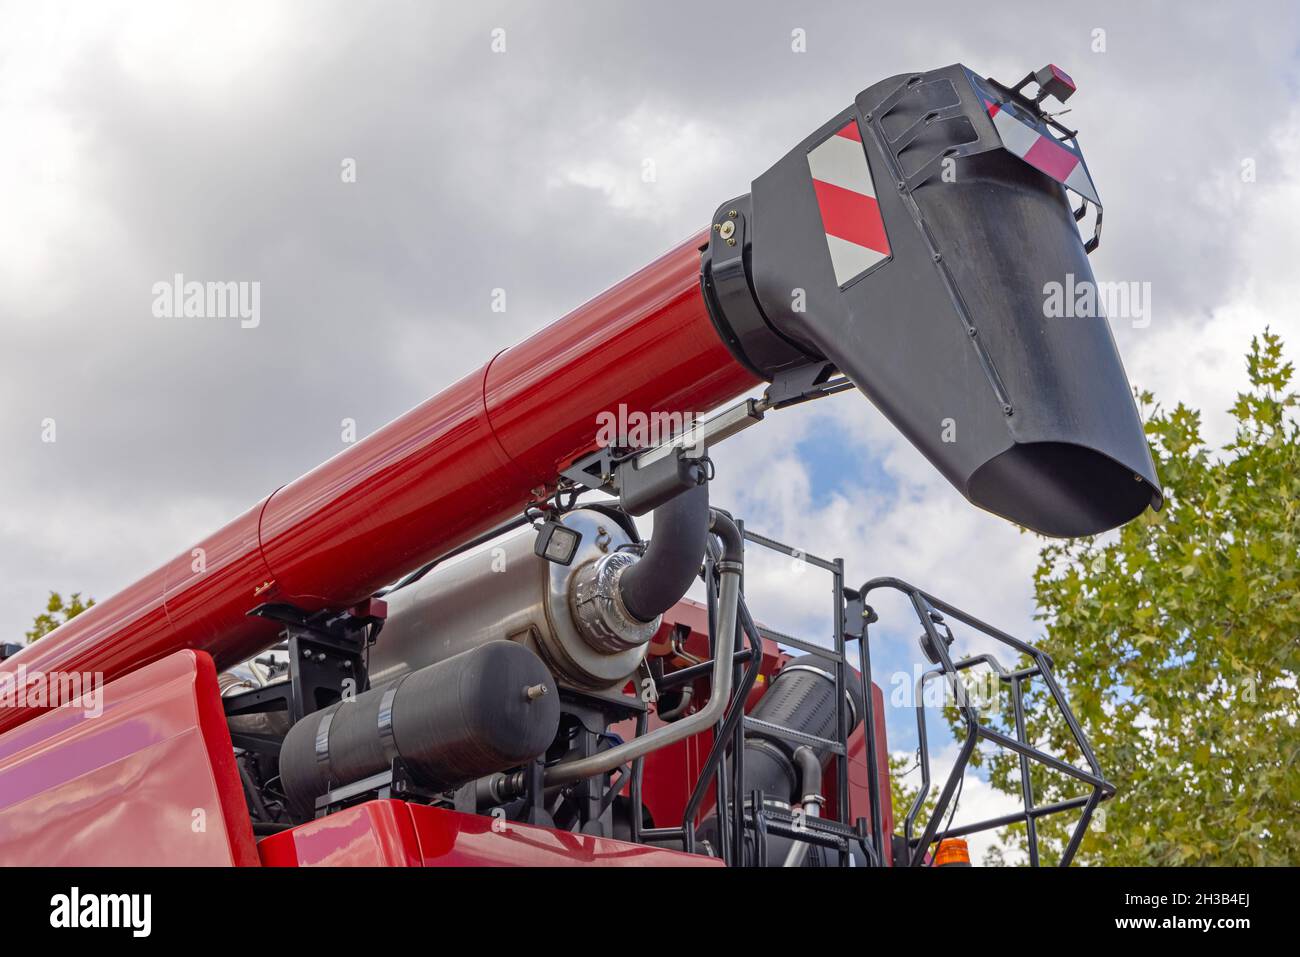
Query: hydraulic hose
662, 576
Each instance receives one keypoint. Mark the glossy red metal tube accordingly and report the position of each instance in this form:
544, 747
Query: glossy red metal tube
451, 468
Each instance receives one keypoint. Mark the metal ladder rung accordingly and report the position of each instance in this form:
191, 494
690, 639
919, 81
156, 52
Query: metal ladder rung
783, 639
809, 835
826, 825
798, 737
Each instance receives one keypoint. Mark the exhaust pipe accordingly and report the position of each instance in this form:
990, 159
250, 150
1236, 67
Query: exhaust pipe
664, 574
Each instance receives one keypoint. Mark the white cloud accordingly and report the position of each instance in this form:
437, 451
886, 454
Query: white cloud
1197, 357
647, 164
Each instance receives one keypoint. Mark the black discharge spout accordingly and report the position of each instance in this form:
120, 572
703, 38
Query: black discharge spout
912, 243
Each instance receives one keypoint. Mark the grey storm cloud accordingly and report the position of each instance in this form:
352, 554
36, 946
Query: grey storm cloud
145, 141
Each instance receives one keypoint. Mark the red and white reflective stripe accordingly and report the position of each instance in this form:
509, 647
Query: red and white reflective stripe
846, 196
1042, 152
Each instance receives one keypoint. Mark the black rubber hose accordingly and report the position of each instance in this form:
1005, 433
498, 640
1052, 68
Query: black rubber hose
663, 575
809, 766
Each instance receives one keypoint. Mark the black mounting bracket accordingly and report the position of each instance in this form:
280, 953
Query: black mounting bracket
803, 384
857, 614
641, 486
327, 660
395, 782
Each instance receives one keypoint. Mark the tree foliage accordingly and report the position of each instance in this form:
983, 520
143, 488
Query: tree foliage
1176, 640
57, 612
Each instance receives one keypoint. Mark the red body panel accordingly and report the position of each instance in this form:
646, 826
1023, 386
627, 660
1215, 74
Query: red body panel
454, 466
393, 833
126, 787
374, 834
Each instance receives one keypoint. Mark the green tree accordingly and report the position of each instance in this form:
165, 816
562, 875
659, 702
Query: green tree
1176, 640
57, 611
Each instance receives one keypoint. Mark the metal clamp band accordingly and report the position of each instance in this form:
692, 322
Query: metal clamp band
323, 739
598, 607
386, 736
729, 296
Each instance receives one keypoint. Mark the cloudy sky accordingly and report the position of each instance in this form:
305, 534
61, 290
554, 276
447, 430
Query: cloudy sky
143, 140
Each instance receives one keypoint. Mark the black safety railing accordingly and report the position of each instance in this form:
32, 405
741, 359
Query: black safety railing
931, 612
740, 815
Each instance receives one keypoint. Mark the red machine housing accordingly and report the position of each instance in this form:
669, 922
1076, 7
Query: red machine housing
398, 834
152, 780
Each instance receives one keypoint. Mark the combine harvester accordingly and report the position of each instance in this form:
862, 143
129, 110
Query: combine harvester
482, 663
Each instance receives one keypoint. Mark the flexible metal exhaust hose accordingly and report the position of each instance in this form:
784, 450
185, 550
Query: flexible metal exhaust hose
729, 570
663, 575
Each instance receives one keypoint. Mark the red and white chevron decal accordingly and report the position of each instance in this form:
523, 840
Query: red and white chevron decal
846, 196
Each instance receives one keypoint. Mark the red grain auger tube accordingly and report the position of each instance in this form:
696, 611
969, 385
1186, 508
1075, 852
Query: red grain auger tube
453, 467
